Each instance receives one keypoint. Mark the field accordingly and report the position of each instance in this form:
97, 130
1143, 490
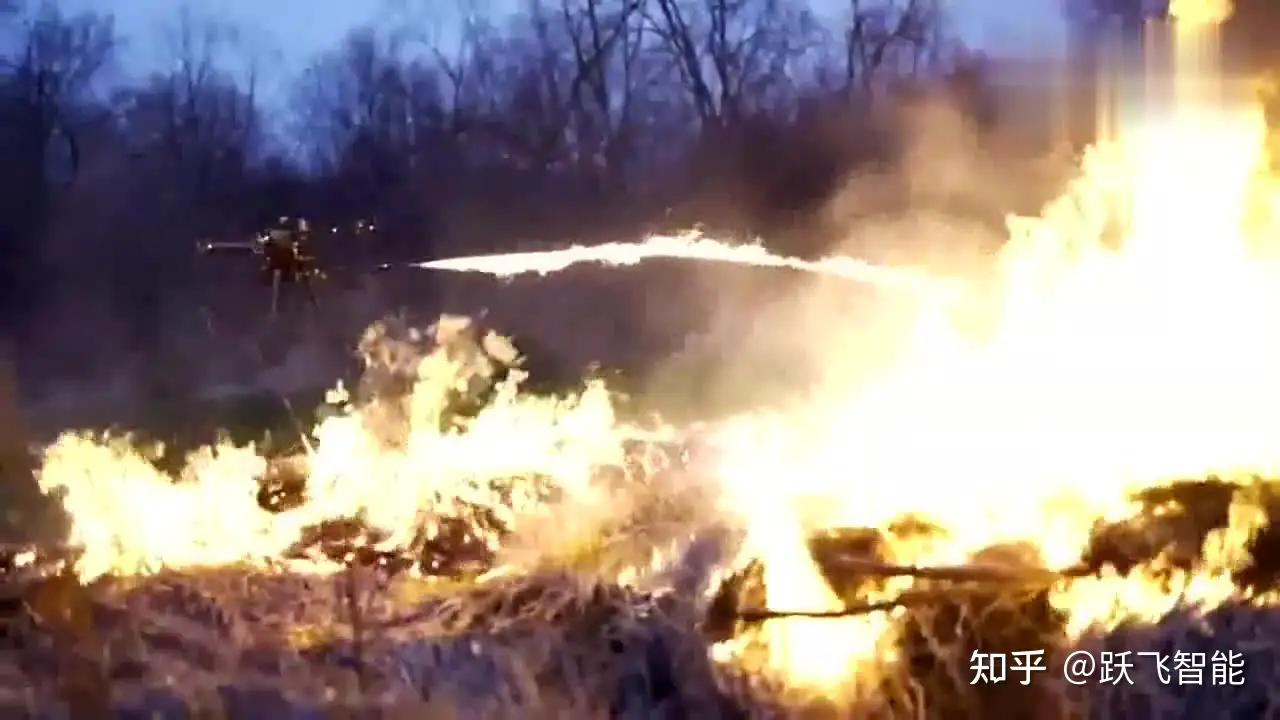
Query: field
809, 511
614, 617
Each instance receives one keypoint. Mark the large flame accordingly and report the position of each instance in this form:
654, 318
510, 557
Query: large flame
1110, 364
1106, 367
1107, 370
128, 517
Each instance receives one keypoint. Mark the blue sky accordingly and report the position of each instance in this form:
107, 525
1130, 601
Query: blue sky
1036, 27
284, 34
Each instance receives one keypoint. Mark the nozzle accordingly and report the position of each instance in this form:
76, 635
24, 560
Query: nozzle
208, 248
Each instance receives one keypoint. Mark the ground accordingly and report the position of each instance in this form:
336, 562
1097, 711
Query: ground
226, 631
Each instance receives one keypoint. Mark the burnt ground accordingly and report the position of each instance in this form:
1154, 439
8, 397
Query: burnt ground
237, 634
257, 641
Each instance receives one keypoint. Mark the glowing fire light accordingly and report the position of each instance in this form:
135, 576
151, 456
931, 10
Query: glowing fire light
1107, 370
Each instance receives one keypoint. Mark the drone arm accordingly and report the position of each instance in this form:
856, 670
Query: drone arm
231, 247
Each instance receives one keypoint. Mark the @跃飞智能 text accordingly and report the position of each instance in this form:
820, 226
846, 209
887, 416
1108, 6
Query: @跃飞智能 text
1105, 667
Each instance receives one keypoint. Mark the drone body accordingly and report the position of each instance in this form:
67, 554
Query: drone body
285, 257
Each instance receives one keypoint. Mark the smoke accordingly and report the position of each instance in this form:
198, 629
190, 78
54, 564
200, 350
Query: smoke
772, 337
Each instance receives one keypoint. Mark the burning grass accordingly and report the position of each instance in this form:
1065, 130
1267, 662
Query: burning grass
245, 639
482, 612
452, 545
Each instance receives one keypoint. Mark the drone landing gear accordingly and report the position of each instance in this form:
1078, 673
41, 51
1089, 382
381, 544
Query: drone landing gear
279, 280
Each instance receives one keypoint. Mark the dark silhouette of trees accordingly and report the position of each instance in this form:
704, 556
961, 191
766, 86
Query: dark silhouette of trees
569, 119
47, 106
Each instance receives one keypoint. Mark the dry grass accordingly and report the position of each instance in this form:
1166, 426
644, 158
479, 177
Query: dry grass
552, 643
563, 642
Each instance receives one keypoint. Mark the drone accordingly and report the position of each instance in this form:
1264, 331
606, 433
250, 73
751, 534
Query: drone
285, 257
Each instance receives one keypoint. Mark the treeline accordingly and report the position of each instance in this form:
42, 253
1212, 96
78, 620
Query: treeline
568, 119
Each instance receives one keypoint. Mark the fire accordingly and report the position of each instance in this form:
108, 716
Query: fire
1201, 13
130, 518
1106, 367
693, 246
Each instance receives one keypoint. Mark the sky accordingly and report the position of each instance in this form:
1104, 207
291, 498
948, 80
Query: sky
1036, 28
285, 34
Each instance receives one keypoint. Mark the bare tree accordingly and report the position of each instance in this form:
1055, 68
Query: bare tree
362, 106
605, 39
46, 95
889, 40
50, 79
191, 135
734, 57
559, 119
357, 99
214, 119
518, 94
